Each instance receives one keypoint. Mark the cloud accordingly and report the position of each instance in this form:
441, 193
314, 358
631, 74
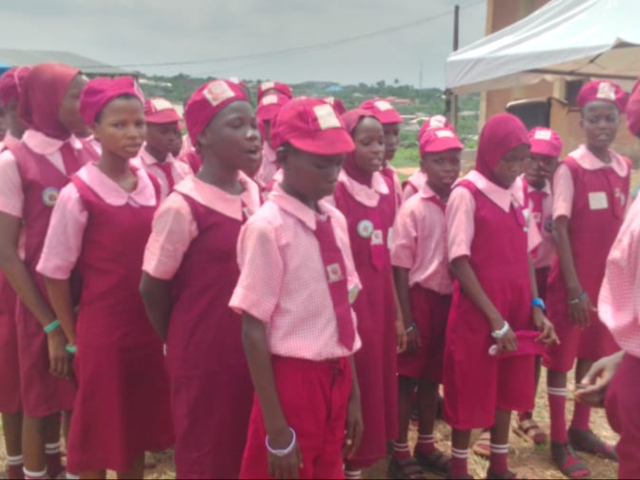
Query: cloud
140, 32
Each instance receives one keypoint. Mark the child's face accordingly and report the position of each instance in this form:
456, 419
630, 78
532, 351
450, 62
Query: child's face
600, 122
164, 138
122, 127
442, 168
539, 169
511, 166
232, 137
177, 147
370, 145
391, 140
309, 176
69, 113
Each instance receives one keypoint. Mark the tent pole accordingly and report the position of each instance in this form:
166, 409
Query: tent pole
452, 98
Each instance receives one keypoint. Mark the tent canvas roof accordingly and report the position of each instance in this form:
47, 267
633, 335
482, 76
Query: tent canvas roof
569, 38
33, 57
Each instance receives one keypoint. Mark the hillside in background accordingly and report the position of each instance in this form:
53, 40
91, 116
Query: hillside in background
409, 101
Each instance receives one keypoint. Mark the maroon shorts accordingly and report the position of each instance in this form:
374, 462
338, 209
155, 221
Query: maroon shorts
314, 397
430, 312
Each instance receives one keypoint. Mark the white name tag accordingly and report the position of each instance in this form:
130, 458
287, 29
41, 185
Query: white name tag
377, 238
598, 201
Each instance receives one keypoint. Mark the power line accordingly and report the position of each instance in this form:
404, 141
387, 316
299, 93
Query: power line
304, 48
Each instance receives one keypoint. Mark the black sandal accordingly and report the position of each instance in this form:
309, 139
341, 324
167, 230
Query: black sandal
561, 454
588, 442
406, 469
437, 463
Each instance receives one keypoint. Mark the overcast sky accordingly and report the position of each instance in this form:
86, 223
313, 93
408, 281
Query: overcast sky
141, 32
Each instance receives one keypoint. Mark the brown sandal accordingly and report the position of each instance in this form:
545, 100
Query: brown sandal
436, 462
530, 431
406, 469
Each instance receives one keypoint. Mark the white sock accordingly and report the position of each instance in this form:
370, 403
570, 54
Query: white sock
353, 474
558, 392
460, 454
500, 449
34, 475
53, 448
15, 461
426, 439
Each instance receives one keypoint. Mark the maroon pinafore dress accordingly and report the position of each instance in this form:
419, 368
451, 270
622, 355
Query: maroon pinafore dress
592, 233
211, 389
42, 393
376, 362
475, 383
122, 405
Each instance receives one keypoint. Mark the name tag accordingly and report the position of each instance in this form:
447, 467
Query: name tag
335, 273
598, 201
390, 239
377, 238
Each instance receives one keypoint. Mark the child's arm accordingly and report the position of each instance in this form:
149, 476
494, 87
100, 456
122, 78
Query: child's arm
24, 285
254, 339
580, 304
414, 341
61, 299
462, 270
158, 302
355, 424
401, 329
548, 332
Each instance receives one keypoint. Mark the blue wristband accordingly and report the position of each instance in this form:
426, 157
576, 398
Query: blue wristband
52, 326
538, 302
72, 349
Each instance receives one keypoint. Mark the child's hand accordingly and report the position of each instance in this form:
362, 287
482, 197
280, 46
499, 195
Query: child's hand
287, 467
402, 336
593, 388
581, 311
355, 427
508, 343
414, 339
59, 359
548, 334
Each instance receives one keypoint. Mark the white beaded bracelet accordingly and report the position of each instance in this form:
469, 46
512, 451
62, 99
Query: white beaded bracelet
498, 334
286, 451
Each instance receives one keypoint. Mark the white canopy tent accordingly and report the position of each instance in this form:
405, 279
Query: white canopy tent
565, 38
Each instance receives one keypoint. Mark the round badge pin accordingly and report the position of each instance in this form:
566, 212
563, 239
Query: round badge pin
365, 229
50, 196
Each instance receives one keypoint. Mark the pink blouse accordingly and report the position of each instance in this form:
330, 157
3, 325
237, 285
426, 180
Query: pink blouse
179, 170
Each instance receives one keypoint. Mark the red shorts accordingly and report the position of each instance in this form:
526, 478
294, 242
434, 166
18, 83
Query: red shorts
430, 312
314, 397
623, 411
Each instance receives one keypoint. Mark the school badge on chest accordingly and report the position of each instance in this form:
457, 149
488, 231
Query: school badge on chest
50, 196
365, 229
334, 273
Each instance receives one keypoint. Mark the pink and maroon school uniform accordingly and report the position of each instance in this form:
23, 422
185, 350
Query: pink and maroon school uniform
10, 402
595, 197
31, 177
477, 384
296, 271
541, 209
420, 246
122, 406
169, 173
370, 212
413, 185
193, 244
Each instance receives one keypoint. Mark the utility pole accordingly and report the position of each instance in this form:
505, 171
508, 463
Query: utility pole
451, 98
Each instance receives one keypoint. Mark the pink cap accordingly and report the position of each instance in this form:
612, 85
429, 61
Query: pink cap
160, 110
603, 91
99, 92
281, 88
633, 111
439, 140
437, 121
207, 102
11, 83
383, 111
337, 105
311, 125
546, 142
269, 106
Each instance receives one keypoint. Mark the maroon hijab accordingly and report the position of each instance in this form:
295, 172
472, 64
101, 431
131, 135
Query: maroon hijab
501, 134
352, 119
41, 98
